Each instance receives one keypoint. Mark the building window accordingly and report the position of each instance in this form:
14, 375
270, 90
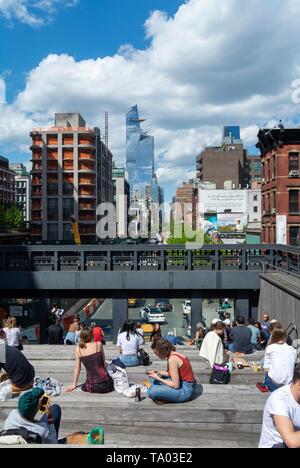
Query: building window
255, 209
67, 232
295, 235
52, 232
52, 209
255, 197
293, 162
274, 167
68, 208
294, 201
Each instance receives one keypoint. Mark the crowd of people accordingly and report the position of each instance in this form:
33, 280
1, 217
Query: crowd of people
177, 384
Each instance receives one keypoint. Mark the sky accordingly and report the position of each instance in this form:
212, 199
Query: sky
191, 66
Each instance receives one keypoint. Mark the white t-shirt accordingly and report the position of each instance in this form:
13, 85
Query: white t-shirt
131, 347
13, 336
281, 361
280, 403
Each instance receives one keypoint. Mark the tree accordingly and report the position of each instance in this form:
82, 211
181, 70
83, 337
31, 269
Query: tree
11, 218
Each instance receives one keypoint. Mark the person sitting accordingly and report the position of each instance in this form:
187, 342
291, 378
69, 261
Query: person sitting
140, 332
92, 356
13, 334
17, 368
98, 333
174, 340
265, 325
281, 424
178, 384
279, 362
25, 417
70, 338
241, 337
200, 334
212, 349
256, 335
129, 344
55, 333
262, 338
156, 332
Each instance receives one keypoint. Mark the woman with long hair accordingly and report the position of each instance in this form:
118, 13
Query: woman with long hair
178, 383
129, 344
156, 332
13, 334
280, 360
91, 356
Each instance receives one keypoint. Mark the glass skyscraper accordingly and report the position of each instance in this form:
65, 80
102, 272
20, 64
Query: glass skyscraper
139, 153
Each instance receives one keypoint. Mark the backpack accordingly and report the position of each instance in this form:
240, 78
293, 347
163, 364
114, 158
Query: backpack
144, 357
220, 376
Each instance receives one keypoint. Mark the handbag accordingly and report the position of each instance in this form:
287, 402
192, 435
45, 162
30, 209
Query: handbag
220, 376
144, 357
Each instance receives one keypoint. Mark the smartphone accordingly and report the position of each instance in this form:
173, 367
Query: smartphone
44, 404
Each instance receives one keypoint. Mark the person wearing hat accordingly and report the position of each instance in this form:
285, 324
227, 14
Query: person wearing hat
25, 416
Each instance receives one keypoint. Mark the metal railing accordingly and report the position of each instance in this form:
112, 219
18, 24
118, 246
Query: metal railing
260, 258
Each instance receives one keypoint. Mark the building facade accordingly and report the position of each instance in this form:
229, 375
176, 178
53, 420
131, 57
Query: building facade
22, 189
121, 200
71, 176
7, 183
280, 158
186, 204
139, 154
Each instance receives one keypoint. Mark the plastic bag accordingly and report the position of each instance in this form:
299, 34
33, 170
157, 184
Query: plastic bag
6, 390
119, 377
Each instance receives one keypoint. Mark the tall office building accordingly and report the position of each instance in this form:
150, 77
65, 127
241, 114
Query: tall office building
280, 158
231, 135
139, 154
71, 175
121, 189
7, 183
22, 188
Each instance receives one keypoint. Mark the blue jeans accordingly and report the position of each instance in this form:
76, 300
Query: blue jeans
159, 391
70, 337
130, 361
272, 386
56, 416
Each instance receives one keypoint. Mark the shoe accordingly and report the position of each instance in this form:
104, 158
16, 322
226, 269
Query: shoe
160, 402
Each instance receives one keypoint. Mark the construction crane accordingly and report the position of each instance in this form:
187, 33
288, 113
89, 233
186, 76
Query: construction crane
75, 229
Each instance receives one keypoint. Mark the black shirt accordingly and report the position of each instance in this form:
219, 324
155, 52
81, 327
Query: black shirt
55, 335
242, 337
19, 369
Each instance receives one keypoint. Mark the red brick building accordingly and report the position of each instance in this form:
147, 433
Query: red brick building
7, 183
187, 202
280, 157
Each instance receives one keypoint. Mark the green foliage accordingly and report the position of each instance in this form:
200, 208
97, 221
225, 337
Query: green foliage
184, 239
11, 218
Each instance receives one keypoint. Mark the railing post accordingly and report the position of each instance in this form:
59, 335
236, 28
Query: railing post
217, 260
82, 263
244, 260
109, 261
55, 260
190, 260
135, 260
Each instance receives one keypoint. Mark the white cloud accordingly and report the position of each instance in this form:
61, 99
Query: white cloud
32, 12
214, 63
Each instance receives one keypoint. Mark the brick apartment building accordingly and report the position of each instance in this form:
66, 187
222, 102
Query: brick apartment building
187, 201
71, 175
280, 154
7, 183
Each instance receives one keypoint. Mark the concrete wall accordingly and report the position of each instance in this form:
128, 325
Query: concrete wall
279, 304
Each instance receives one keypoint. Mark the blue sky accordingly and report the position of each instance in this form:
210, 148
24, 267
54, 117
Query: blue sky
91, 29
192, 67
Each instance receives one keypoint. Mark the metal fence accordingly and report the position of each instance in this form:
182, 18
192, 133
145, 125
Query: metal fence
150, 258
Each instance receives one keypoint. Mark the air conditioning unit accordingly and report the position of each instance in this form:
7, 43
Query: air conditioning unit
273, 211
294, 173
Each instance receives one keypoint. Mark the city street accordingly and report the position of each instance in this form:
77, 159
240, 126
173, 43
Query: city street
175, 321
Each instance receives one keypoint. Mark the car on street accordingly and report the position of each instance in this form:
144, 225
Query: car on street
164, 305
187, 308
152, 315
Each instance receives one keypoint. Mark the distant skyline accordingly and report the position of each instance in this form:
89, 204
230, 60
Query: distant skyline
192, 67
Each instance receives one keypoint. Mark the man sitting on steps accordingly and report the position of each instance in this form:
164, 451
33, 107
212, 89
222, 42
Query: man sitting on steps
17, 368
241, 337
281, 426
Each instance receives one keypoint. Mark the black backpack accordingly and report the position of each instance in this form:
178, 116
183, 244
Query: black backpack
144, 357
28, 436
